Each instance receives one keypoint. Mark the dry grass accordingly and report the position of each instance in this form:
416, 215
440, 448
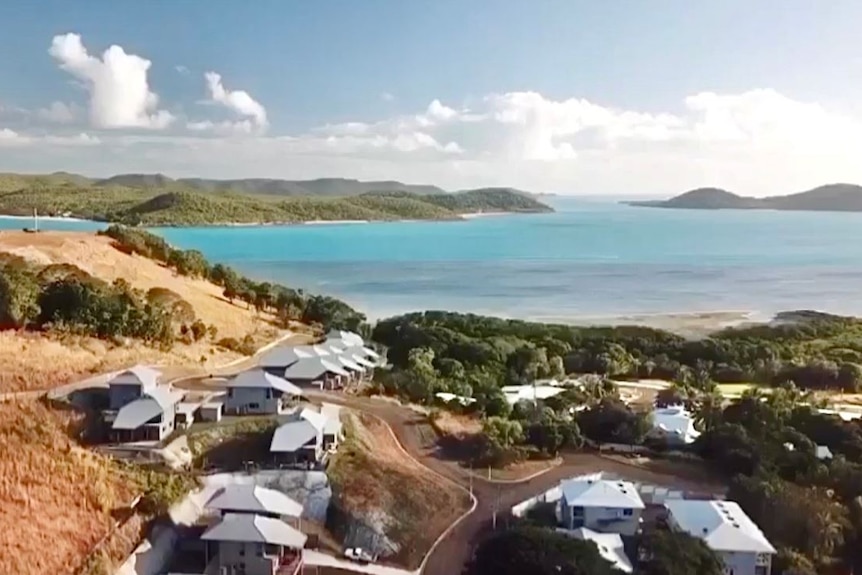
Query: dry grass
24, 357
457, 425
371, 473
56, 499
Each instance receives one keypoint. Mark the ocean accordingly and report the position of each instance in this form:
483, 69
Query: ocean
591, 260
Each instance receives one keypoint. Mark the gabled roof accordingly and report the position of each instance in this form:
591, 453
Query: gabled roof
332, 413
601, 493
345, 361
722, 525
675, 420
283, 355
359, 359
610, 547
158, 400
258, 378
318, 420
253, 499
312, 368
246, 528
292, 435
142, 375
360, 350
348, 337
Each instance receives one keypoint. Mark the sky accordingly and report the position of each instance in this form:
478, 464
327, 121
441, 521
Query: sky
624, 97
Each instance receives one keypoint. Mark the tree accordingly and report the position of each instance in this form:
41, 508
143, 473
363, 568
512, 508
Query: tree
536, 551
19, 293
678, 553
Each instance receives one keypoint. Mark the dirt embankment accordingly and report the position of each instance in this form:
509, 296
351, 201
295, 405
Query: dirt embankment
36, 361
384, 499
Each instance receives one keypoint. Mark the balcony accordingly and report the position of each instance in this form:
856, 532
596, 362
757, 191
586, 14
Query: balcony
288, 562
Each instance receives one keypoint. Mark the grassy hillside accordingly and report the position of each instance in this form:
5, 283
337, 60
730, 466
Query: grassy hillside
62, 194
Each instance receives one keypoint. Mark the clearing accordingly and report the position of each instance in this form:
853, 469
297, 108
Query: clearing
458, 437
57, 500
22, 356
376, 482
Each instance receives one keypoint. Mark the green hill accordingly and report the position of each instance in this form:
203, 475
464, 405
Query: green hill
173, 205
828, 198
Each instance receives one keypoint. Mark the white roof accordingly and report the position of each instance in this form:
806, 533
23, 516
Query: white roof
246, 528
261, 379
348, 337
516, 393
332, 413
361, 360
447, 397
722, 525
677, 421
282, 356
346, 361
601, 493
823, 452
138, 375
253, 499
318, 420
312, 368
158, 400
293, 435
610, 547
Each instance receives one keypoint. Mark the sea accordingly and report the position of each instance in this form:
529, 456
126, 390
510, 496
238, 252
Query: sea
591, 260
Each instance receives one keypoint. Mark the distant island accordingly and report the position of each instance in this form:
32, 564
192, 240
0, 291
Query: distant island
829, 198
157, 200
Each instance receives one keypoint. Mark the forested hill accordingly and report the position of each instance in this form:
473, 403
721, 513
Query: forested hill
64, 194
829, 198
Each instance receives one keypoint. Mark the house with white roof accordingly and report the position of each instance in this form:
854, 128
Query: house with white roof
253, 544
258, 391
307, 435
130, 384
610, 546
673, 425
530, 392
277, 359
727, 530
320, 372
254, 499
151, 416
607, 506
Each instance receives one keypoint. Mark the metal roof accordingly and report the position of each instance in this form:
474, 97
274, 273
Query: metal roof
247, 528
332, 413
137, 375
312, 368
601, 493
350, 338
610, 547
361, 360
253, 499
258, 378
157, 401
347, 362
722, 525
293, 435
318, 420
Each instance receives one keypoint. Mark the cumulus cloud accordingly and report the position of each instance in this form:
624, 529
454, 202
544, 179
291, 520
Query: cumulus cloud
59, 113
755, 142
120, 96
252, 115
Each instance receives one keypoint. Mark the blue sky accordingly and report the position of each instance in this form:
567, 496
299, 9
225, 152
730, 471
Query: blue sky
380, 64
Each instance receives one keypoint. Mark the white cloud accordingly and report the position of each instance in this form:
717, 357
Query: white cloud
387, 97
252, 114
120, 96
182, 70
756, 142
59, 113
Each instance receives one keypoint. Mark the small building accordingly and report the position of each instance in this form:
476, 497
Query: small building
151, 417
253, 499
305, 437
131, 384
280, 357
257, 391
610, 546
727, 530
318, 372
601, 505
673, 425
822, 452
253, 545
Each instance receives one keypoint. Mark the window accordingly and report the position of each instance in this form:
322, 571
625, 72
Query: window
259, 549
628, 512
254, 406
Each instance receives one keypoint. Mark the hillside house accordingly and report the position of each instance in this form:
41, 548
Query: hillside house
673, 425
319, 372
255, 500
257, 392
131, 384
601, 505
610, 546
727, 530
305, 437
281, 357
251, 544
150, 417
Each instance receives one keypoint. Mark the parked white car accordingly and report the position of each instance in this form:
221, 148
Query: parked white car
359, 555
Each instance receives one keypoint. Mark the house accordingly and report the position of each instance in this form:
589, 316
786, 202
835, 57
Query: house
257, 391
320, 372
306, 435
349, 341
610, 547
279, 358
601, 505
253, 499
674, 425
253, 544
151, 417
530, 392
822, 452
725, 529
131, 384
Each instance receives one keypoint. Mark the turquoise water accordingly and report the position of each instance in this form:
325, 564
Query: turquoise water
589, 259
